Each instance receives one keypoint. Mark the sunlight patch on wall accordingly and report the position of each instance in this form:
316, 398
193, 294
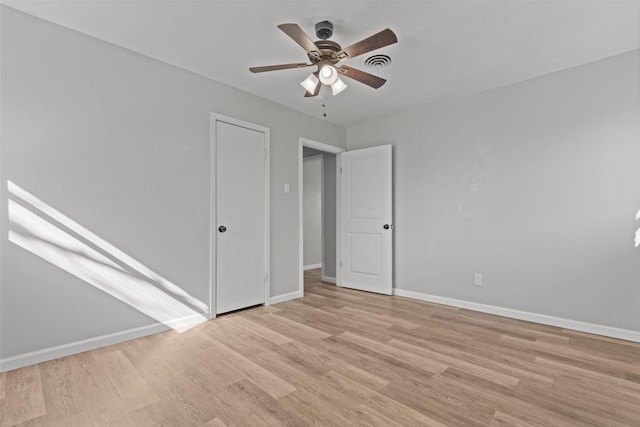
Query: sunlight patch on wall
638, 230
98, 263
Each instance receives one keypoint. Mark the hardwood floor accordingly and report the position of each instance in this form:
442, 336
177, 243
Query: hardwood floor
338, 357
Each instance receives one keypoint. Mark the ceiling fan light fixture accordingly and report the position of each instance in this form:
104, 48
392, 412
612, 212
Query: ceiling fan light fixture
328, 74
325, 54
338, 86
310, 83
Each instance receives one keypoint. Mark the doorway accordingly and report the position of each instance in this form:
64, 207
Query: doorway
319, 199
314, 214
239, 215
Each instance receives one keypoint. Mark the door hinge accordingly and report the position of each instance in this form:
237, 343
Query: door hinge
340, 169
340, 263
266, 154
266, 278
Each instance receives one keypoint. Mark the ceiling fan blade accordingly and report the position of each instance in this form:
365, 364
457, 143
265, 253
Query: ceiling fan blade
316, 90
361, 76
279, 67
376, 41
299, 36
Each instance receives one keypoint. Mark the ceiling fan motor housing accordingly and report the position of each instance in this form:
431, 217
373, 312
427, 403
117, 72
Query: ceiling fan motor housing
324, 30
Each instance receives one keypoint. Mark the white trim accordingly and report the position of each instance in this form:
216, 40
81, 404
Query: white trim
320, 146
285, 297
214, 118
328, 279
322, 201
80, 346
312, 266
212, 217
338, 281
608, 331
304, 142
267, 218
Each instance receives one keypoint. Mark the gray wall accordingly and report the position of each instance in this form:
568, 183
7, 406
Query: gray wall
329, 204
329, 217
535, 185
312, 210
119, 143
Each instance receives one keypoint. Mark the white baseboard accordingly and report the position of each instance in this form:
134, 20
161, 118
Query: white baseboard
328, 279
312, 266
63, 350
607, 331
285, 297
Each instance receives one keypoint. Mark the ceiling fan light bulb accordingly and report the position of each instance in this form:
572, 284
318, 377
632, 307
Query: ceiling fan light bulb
338, 86
310, 83
328, 74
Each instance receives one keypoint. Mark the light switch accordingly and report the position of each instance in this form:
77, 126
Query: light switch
286, 188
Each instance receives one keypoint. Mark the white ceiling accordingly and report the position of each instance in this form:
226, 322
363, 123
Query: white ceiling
446, 49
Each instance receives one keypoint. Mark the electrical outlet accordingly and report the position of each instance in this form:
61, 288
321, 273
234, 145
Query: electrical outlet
477, 279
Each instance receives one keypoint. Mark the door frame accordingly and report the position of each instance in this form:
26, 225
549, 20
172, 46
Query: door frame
305, 142
213, 235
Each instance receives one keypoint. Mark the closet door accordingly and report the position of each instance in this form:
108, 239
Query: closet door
241, 263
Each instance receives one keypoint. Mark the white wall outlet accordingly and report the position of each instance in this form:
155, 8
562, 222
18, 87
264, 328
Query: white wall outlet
286, 188
477, 279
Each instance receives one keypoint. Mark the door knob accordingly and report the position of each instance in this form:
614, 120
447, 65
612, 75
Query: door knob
222, 229
387, 226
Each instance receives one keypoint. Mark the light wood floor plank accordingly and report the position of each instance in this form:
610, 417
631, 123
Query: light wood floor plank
375, 418
229, 333
216, 422
103, 403
338, 357
269, 382
299, 328
580, 411
263, 405
60, 380
402, 356
479, 356
162, 414
500, 419
3, 382
501, 398
132, 387
391, 406
24, 397
368, 315
575, 372
474, 369
261, 331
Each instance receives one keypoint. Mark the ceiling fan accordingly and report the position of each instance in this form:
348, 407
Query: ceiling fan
325, 54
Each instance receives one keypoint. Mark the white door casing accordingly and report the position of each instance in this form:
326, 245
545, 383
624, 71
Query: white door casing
240, 256
304, 142
366, 220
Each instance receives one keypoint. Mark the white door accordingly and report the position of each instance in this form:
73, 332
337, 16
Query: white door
366, 220
241, 227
